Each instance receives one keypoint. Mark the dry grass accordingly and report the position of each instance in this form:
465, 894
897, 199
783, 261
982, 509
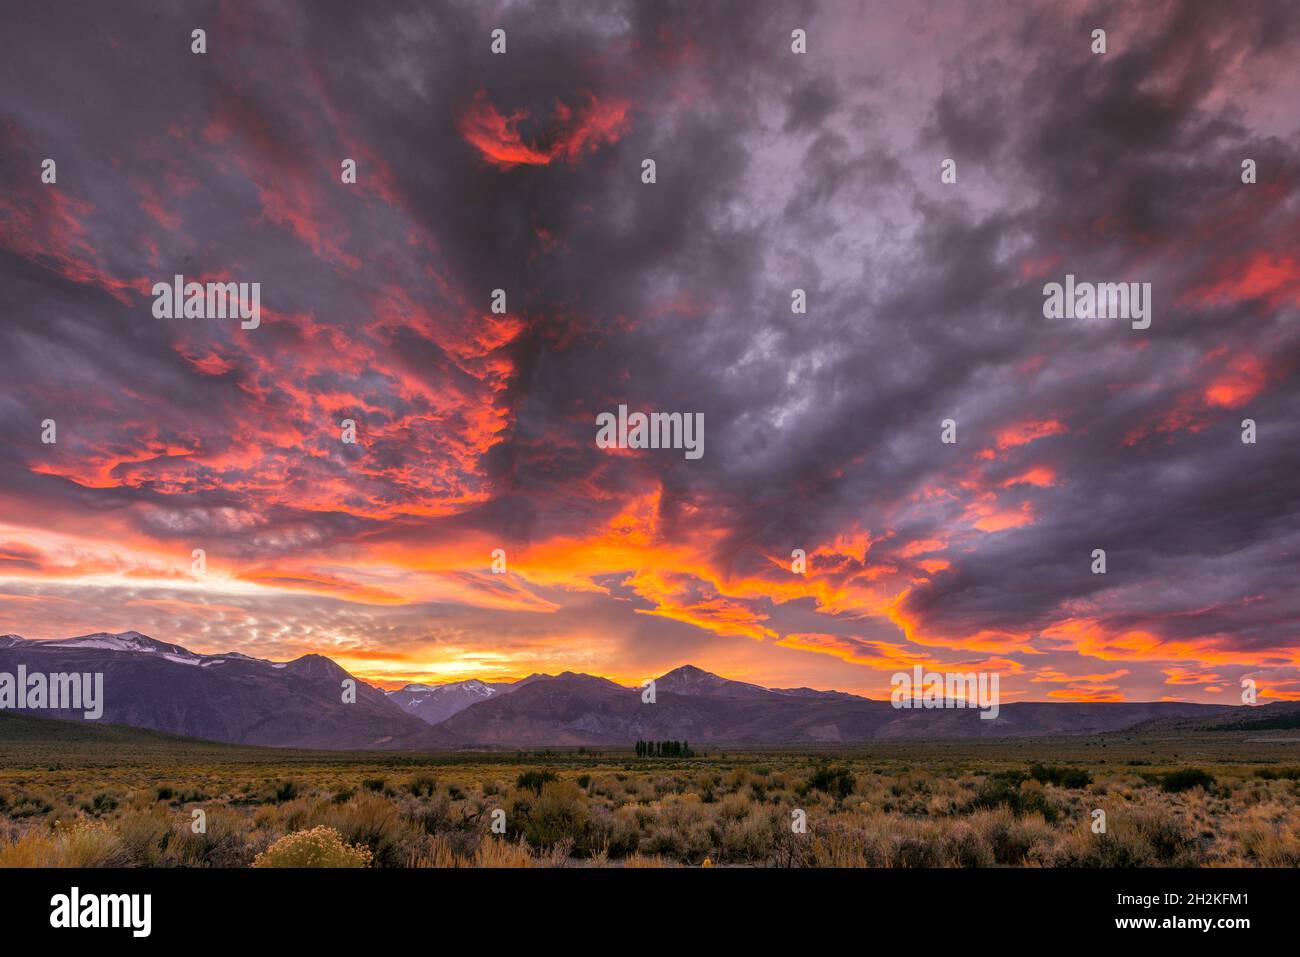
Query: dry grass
860, 811
79, 844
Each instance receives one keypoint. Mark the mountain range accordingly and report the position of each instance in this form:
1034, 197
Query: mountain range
238, 699
227, 697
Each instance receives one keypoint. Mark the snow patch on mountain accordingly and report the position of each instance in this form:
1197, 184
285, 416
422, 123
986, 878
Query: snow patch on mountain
134, 642
435, 703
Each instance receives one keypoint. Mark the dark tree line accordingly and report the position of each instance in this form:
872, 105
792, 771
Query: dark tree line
663, 749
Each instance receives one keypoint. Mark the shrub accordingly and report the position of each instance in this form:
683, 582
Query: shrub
277, 792
371, 820
144, 834
1268, 774
747, 840
1171, 841
1014, 840
908, 851
616, 832
1137, 838
433, 816
1270, 847
33, 849
836, 782
535, 780
421, 786
87, 844
559, 812
1005, 789
664, 841
967, 848
320, 847
833, 845
494, 853
223, 842
1061, 777
733, 807
30, 805
100, 804
1186, 779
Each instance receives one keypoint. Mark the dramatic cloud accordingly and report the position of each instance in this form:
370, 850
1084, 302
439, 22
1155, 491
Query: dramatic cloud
775, 171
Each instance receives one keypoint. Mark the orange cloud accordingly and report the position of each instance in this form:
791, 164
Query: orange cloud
1022, 433
575, 131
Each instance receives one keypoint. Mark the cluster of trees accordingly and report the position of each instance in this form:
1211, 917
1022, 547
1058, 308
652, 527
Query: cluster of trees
663, 749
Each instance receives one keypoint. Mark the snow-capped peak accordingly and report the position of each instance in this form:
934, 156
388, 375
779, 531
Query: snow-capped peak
123, 641
415, 689
470, 685
135, 642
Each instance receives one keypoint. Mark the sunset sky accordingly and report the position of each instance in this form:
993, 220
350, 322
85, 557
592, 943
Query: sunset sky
775, 171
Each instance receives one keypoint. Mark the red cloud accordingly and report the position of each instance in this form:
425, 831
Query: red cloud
575, 131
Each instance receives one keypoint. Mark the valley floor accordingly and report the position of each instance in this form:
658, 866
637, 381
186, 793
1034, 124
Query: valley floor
1191, 799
